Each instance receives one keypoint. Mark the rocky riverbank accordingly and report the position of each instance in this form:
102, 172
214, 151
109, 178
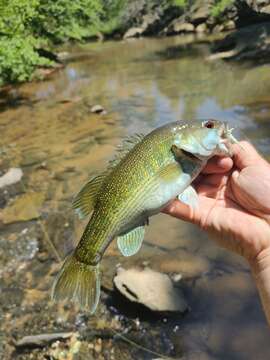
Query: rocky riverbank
248, 20
200, 16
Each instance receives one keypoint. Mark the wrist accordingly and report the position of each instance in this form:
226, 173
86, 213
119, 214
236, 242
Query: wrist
260, 267
260, 263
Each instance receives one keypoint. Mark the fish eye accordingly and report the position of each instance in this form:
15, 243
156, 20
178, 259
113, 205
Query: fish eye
209, 124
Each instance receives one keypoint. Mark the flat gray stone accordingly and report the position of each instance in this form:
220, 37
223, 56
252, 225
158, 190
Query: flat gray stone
12, 176
150, 288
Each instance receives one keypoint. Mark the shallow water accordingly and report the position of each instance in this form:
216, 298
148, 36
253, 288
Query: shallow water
48, 130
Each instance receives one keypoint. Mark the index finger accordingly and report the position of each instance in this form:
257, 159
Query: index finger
245, 154
218, 165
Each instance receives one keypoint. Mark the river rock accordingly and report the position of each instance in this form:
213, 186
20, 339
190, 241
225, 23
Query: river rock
202, 28
98, 109
249, 43
151, 289
42, 339
133, 32
32, 157
200, 11
184, 27
266, 9
23, 208
180, 26
12, 176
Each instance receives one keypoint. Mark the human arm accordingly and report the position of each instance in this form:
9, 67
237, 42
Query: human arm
234, 208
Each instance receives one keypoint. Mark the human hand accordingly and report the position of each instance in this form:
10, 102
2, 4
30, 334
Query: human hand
234, 202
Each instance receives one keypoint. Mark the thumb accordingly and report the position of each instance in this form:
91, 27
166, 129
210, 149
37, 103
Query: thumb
179, 210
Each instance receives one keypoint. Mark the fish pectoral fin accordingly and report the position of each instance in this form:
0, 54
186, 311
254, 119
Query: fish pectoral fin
85, 200
189, 197
170, 172
131, 242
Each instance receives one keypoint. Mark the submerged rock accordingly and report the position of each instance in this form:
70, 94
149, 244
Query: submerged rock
12, 176
151, 289
23, 208
98, 109
42, 339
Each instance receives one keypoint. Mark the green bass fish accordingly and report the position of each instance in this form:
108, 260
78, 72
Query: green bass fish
149, 172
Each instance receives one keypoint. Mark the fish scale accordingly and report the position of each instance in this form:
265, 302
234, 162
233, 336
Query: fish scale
137, 184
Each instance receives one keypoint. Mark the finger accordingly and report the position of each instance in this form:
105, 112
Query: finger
186, 213
218, 165
179, 210
246, 155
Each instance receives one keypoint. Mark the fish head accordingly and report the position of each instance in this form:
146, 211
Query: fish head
205, 139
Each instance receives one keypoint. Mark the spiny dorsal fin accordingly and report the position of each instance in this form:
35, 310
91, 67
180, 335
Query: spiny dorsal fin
85, 200
131, 242
122, 150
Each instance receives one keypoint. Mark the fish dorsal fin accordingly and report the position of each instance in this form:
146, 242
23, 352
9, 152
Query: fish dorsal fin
85, 200
122, 150
131, 242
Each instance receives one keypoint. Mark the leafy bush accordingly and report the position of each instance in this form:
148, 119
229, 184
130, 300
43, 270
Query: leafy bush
68, 19
19, 59
26, 24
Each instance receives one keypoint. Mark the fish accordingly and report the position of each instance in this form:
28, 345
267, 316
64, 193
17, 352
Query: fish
147, 173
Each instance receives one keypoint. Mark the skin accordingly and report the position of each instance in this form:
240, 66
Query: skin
234, 208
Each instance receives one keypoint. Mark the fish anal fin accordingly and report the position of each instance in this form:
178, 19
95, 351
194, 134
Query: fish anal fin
85, 200
131, 242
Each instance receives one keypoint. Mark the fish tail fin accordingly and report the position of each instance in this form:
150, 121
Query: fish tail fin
78, 282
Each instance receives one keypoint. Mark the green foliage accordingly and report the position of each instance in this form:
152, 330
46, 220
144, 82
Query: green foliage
219, 7
68, 19
16, 16
111, 18
18, 55
18, 59
180, 3
26, 24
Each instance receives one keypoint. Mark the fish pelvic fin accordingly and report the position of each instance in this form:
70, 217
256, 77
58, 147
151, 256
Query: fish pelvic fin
79, 283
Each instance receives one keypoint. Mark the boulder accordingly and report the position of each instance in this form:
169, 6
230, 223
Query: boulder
134, 32
199, 12
265, 10
150, 288
184, 28
202, 28
249, 43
